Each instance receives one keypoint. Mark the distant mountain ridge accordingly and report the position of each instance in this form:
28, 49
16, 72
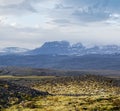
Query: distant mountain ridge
13, 50
63, 48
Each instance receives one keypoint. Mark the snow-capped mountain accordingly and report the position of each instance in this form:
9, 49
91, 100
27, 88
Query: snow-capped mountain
55, 47
64, 48
13, 50
110, 49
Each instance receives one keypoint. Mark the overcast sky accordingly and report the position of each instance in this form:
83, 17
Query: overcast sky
30, 23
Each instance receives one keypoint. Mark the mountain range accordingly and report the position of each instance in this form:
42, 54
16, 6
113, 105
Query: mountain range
63, 55
63, 48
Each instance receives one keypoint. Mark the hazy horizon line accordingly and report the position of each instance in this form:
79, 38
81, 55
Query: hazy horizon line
87, 45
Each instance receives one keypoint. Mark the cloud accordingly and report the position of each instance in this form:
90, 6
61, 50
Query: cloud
20, 7
61, 22
2, 19
90, 15
88, 10
47, 20
29, 37
8, 2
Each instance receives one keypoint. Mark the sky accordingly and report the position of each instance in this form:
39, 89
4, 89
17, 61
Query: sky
30, 23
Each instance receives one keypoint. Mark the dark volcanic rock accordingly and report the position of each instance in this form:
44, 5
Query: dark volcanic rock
11, 93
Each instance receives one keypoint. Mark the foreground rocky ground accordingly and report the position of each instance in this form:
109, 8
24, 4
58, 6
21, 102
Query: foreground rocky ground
72, 85
73, 93
70, 103
11, 94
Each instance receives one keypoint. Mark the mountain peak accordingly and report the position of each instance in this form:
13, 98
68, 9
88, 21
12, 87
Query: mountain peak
54, 47
56, 44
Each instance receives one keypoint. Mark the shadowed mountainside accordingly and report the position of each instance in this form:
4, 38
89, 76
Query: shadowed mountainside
86, 62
